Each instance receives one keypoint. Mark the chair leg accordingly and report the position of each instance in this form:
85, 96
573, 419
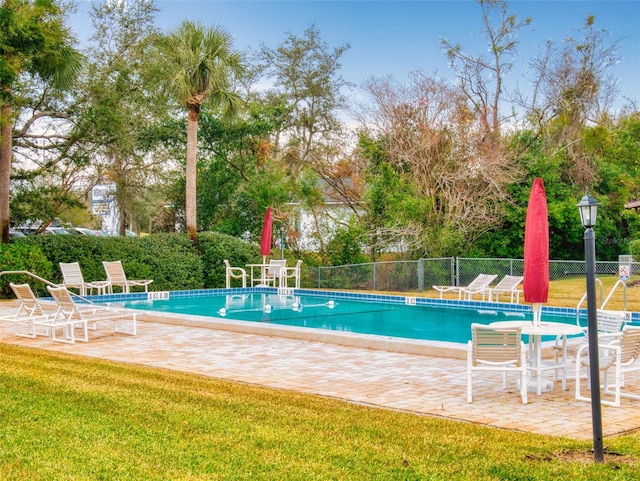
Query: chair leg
85, 331
469, 374
524, 387
67, 334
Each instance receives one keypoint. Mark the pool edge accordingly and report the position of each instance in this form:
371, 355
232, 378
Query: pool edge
365, 341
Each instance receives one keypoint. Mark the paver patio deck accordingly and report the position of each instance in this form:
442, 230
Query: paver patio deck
417, 383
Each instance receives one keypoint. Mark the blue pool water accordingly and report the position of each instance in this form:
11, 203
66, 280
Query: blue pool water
365, 317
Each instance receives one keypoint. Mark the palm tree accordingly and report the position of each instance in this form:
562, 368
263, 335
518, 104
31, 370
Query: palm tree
199, 63
34, 41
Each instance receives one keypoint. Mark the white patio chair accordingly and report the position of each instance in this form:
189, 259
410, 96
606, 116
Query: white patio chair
478, 286
71, 315
610, 323
272, 272
507, 286
496, 349
28, 311
72, 278
287, 273
117, 277
234, 273
620, 355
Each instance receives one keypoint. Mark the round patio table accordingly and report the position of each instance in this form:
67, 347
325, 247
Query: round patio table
536, 365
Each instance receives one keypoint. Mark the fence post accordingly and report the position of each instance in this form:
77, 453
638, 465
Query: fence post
456, 278
374, 276
420, 275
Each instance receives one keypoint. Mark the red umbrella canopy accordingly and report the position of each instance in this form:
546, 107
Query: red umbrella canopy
536, 246
267, 227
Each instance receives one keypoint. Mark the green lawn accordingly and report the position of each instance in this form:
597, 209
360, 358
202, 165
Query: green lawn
68, 417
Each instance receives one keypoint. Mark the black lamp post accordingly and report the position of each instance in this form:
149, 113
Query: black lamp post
588, 208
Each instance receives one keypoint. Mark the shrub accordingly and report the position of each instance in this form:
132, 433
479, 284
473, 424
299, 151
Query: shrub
216, 247
88, 251
168, 259
634, 250
345, 247
23, 257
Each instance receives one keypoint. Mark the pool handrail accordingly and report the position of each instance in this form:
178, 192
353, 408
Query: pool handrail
44, 281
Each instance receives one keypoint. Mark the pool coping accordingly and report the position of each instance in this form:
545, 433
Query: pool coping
454, 350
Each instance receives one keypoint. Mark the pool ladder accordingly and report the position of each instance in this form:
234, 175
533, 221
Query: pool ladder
618, 283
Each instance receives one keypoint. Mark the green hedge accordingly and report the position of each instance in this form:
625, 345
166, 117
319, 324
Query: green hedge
216, 247
23, 257
169, 259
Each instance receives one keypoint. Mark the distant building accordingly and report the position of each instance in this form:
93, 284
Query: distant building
103, 205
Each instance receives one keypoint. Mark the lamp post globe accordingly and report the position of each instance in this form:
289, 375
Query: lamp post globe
588, 208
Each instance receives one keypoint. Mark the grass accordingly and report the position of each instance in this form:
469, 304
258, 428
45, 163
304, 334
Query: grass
69, 417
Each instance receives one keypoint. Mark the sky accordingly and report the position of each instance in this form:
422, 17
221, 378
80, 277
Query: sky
394, 37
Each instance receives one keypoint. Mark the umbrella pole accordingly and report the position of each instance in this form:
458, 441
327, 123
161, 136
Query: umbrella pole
537, 313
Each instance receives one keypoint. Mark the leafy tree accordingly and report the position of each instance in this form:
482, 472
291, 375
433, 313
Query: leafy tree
615, 150
311, 142
433, 140
236, 163
616, 153
391, 207
481, 78
34, 44
196, 65
115, 106
305, 71
345, 247
573, 87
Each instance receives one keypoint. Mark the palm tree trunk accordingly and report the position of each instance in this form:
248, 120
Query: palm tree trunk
6, 140
190, 173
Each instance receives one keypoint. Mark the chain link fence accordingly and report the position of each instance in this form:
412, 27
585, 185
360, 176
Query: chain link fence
420, 275
398, 276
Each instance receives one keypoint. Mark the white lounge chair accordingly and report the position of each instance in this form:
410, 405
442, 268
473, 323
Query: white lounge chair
621, 356
60, 321
478, 286
72, 278
28, 311
507, 286
117, 277
496, 349
71, 314
234, 273
287, 273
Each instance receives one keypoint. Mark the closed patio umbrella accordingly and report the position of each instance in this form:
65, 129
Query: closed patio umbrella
536, 250
265, 242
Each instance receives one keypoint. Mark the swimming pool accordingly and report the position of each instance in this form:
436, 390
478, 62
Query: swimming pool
388, 316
